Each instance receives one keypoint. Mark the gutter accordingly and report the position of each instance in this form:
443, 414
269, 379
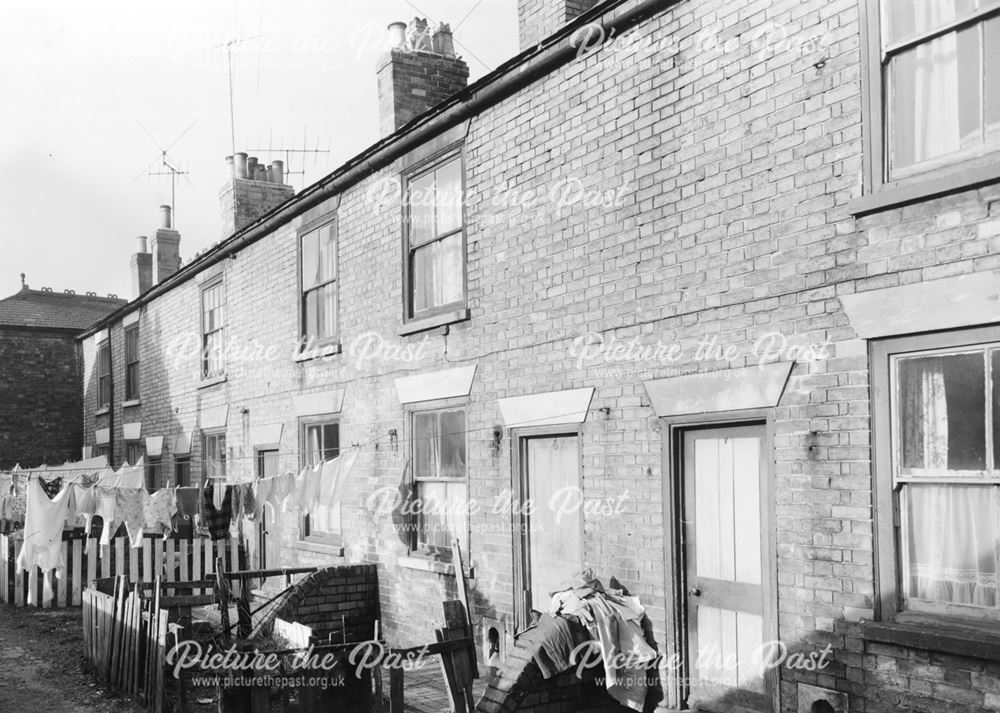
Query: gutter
509, 78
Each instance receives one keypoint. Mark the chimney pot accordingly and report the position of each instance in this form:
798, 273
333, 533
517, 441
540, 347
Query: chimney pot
142, 244
419, 36
260, 173
251, 166
397, 35
444, 43
231, 166
240, 159
269, 176
166, 216
278, 168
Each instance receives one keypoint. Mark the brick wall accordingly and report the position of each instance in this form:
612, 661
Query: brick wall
39, 398
537, 19
322, 598
412, 81
725, 166
243, 201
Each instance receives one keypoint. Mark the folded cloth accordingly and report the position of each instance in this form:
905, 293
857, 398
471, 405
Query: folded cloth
217, 520
553, 645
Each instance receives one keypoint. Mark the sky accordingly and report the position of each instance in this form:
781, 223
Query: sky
95, 91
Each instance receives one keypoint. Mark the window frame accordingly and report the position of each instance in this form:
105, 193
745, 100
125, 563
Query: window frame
129, 445
334, 539
413, 173
132, 392
319, 223
182, 462
104, 395
948, 174
204, 288
207, 435
889, 550
415, 547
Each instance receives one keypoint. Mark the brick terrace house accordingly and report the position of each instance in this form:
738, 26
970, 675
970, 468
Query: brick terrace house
41, 393
728, 267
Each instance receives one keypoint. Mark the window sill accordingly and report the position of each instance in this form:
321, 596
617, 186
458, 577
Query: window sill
212, 381
915, 190
422, 324
130, 404
422, 563
322, 548
103, 411
958, 640
318, 352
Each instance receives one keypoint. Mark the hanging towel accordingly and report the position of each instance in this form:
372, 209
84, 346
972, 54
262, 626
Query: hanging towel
44, 521
217, 520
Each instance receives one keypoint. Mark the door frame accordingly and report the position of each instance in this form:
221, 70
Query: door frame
261, 529
520, 534
673, 428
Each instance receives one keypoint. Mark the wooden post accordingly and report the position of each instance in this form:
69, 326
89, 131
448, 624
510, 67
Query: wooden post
244, 621
395, 690
222, 592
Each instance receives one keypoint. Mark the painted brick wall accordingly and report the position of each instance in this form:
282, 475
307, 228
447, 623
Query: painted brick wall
40, 398
724, 162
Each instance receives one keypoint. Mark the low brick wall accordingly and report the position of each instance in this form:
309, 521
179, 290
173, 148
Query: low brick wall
321, 599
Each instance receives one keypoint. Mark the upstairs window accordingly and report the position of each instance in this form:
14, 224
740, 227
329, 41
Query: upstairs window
435, 245
213, 329
319, 285
132, 363
940, 71
104, 375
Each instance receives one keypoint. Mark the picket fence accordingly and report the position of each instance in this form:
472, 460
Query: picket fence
174, 559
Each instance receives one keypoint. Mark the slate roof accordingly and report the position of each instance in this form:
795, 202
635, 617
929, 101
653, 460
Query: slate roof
55, 310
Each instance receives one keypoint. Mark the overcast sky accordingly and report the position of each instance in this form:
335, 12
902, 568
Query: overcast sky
83, 82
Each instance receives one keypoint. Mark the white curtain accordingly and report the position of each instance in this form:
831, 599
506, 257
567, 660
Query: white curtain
924, 419
952, 533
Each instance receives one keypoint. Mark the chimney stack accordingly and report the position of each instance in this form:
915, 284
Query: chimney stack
537, 19
166, 247
142, 267
252, 190
419, 71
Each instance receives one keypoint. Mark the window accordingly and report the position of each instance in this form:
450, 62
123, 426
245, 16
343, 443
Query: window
154, 474
103, 451
132, 363
440, 482
939, 78
182, 471
213, 328
214, 456
133, 452
267, 463
435, 250
319, 285
104, 375
320, 442
939, 472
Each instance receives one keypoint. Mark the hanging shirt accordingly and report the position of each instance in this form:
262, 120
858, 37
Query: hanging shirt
334, 477
107, 511
44, 521
217, 520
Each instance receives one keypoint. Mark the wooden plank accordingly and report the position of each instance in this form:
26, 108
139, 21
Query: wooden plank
183, 553
222, 591
196, 561
78, 574
161, 654
170, 561
457, 666
396, 690
147, 559
133, 562
119, 562
91, 554
463, 594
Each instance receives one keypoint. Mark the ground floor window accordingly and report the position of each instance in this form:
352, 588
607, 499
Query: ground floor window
440, 480
320, 442
214, 456
939, 470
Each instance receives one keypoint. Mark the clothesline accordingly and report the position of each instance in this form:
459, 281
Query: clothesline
354, 446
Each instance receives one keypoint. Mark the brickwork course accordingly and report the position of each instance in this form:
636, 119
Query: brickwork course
726, 170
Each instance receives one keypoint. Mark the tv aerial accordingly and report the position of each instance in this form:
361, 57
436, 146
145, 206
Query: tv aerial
167, 163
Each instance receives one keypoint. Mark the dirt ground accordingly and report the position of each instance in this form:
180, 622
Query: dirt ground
41, 665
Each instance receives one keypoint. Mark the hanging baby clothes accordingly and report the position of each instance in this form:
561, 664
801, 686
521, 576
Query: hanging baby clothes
86, 506
158, 512
43, 527
130, 506
107, 511
217, 520
284, 486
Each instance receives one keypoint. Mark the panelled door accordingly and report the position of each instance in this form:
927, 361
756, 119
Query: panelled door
267, 552
726, 546
549, 528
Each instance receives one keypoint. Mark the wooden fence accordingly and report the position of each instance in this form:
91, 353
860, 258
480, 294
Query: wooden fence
173, 559
125, 639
